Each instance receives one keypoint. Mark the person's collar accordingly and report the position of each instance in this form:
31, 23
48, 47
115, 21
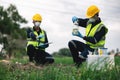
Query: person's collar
96, 22
35, 29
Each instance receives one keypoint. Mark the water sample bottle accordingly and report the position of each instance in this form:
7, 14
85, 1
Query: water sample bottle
75, 29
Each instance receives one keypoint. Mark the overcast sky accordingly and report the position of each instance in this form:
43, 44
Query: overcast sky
57, 16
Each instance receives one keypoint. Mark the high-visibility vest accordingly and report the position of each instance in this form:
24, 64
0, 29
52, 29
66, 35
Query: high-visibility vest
36, 43
91, 32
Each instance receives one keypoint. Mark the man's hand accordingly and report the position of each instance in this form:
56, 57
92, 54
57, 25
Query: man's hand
77, 33
40, 36
74, 19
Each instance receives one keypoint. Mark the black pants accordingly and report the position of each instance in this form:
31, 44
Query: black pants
39, 56
75, 48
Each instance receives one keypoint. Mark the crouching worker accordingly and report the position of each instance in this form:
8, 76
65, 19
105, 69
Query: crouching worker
37, 43
94, 36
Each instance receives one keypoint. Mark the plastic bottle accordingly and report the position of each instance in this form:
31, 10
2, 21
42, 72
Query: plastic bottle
75, 29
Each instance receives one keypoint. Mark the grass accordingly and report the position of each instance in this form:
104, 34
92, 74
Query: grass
63, 60
62, 69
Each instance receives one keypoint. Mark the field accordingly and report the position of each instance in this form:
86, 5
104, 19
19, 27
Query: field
62, 69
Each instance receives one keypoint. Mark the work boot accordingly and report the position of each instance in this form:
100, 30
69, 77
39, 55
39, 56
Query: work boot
84, 54
79, 63
31, 59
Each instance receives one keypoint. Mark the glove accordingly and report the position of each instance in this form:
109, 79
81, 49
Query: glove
77, 34
33, 36
40, 36
42, 45
74, 19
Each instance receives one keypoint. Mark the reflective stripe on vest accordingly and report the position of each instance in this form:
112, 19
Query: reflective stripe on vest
91, 32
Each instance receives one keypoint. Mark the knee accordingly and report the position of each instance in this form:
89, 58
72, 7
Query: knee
29, 47
71, 44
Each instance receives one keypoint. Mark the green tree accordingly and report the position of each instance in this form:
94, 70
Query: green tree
10, 22
62, 52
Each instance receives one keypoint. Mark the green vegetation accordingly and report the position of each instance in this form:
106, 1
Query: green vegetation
62, 69
62, 52
11, 34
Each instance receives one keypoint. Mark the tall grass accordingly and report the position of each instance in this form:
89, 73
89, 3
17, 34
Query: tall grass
62, 69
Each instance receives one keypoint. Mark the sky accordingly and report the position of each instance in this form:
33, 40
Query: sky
57, 15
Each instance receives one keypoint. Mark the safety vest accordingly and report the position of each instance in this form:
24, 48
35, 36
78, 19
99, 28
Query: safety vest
91, 32
36, 43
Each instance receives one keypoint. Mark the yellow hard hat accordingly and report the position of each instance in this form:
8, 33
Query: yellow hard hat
92, 10
37, 17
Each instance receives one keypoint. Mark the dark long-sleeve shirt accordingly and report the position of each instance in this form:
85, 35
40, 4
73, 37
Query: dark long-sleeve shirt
97, 37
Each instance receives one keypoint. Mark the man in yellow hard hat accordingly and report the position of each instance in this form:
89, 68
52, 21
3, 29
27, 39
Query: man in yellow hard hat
37, 43
94, 36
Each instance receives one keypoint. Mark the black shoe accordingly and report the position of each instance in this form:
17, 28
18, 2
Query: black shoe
83, 55
78, 64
